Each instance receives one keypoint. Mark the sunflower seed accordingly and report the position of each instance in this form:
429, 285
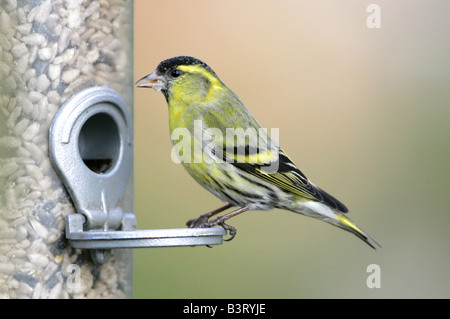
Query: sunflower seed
38, 260
21, 126
7, 233
64, 39
43, 11
10, 142
24, 28
42, 83
19, 50
54, 71
34, 39
5, 23
31, 131
6, 268
7, 169
4, 43
70, 75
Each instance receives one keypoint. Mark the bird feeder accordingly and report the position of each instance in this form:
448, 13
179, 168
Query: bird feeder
66, 152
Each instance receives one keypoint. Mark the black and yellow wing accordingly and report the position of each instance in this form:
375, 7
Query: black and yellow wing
279, 170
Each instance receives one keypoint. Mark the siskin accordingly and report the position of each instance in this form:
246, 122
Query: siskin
248, 171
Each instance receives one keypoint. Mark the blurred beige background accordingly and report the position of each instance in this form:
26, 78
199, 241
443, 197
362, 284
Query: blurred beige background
363, 112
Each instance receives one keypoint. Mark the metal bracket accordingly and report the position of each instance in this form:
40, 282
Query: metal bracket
129, 237
91, 148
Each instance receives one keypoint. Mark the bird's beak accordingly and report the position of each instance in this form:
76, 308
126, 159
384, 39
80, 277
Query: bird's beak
153, 80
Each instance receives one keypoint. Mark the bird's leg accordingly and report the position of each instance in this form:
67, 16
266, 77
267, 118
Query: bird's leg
221, 221
202, 220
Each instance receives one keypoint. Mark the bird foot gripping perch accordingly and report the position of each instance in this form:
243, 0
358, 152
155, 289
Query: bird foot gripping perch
203, 220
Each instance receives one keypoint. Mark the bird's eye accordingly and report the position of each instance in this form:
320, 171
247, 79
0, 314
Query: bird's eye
175, 73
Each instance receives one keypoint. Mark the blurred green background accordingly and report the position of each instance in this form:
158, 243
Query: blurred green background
363, 112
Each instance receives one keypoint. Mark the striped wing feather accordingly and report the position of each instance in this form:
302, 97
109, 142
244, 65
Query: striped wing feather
290, 179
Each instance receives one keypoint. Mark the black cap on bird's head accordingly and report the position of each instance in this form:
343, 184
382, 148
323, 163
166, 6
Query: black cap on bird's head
167, 71
172, 63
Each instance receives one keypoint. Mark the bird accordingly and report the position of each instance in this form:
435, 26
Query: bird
246, 169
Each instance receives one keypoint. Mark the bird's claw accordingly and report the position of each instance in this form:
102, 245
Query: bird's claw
199, 222
203, 222
232, 230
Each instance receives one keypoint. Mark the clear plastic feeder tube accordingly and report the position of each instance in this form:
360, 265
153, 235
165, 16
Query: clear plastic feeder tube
50, 50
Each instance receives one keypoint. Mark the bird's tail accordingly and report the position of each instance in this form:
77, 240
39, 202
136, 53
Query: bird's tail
346, 224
